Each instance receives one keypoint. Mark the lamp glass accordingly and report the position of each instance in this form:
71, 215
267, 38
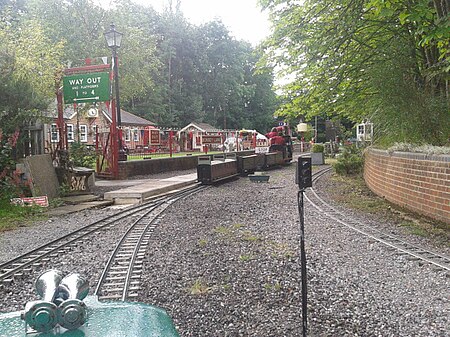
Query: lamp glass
302, 127
113, 38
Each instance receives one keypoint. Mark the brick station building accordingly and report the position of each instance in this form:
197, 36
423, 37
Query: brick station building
82, 124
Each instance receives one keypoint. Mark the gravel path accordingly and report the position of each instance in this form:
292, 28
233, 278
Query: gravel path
225, 263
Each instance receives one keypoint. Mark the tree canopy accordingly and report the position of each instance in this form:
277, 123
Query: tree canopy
383, 60
171, 71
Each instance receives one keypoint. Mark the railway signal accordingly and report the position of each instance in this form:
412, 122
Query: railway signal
304, 173
303, 178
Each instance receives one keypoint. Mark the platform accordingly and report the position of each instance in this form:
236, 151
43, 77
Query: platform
144, 189
76, 207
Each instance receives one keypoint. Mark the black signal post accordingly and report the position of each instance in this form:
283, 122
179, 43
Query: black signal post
304, 179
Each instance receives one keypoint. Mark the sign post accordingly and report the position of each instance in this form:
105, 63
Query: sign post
92, 84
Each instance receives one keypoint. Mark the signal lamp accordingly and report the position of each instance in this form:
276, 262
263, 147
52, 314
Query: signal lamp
304, 172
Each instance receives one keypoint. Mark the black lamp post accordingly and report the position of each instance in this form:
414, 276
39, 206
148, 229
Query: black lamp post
114, 39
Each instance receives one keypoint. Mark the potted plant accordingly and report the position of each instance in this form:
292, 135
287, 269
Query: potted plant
317, 156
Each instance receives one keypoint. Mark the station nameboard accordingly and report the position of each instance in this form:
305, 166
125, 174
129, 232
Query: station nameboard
80, 88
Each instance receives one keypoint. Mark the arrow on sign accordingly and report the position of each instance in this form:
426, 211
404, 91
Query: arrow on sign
87, 99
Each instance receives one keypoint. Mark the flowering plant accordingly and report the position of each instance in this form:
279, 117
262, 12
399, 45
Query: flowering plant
11, 182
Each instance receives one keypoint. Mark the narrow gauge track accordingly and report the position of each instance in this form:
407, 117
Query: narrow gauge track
120, 278
32, 259
415, 252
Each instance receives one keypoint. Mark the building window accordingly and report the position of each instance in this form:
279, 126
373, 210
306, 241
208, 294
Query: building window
127, 135
54, 133
70, 133
83, 133
136, 135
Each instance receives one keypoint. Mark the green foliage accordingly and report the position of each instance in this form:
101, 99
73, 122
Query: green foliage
350, 161
11, 183
82, 155
171, 72
64, 190
383, 60
417, 148
199, 288
26, 73
12, 216
318, 148
427, 20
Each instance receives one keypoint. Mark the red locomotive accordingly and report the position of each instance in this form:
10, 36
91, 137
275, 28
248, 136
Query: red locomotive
280, 141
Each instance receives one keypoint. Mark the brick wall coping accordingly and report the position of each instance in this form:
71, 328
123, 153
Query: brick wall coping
413, 155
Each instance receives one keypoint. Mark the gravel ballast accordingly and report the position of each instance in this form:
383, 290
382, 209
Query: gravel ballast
225, 262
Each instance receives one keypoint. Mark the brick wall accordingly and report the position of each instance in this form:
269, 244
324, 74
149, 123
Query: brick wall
418, 182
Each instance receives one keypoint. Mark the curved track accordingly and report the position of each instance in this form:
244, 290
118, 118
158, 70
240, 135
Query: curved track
32, 259
415, 252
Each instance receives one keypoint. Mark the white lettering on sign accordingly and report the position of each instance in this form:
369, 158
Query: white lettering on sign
89, 80
77, 81
93, 80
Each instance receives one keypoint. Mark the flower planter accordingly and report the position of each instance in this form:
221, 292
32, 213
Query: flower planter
317, 158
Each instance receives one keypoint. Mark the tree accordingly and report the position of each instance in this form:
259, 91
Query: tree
171, 72
356, 59
27, 74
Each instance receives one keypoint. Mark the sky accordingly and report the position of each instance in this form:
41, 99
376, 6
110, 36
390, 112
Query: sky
243, 18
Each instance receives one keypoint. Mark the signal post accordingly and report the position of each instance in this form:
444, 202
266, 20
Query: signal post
303, 179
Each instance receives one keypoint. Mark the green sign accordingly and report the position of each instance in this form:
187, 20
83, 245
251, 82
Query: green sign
81, 88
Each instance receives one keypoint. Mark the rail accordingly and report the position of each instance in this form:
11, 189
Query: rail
415, 252
31, 259
120, 278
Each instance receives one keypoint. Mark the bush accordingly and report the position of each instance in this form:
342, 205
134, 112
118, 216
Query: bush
318, 148
82, 155
350, 161
419, 148
11, 183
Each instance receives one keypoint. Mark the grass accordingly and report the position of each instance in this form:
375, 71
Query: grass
281, 250
222, 230
250, 237
414, 229
198, 288
272, 287
245, 258
237, 233
238, 226
12, 216
353, 193
167, 155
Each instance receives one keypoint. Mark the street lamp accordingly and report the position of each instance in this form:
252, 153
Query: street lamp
114, 39
302, 128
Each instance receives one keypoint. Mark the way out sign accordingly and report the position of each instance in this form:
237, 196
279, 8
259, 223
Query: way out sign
82, 88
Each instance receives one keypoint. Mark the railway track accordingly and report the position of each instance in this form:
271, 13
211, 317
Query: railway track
120, 278
439, 261
33, 259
